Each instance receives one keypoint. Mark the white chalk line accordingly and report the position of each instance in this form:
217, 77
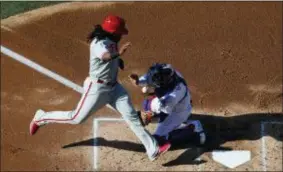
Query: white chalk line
41, 69
263, 148
44, 70
95, 148
95, 134
263, 145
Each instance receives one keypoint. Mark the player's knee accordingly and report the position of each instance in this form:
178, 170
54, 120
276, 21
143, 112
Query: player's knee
77, 120
130, 114
133, 120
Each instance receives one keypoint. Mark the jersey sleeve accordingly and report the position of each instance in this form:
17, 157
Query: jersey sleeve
97, 49
168, 102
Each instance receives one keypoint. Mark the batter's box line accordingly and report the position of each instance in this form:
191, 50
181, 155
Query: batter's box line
263, 145
95, 135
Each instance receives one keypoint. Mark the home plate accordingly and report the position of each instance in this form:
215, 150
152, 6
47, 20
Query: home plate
231, 159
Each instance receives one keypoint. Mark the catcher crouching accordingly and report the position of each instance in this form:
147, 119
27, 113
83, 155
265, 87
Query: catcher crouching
169, 101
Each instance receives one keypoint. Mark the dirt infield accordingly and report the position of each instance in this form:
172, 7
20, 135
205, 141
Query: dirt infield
229, 52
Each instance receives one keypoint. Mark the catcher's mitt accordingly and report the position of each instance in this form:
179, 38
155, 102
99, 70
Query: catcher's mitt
134, 78
145, 117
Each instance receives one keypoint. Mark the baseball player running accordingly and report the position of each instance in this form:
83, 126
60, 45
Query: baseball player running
171, 103
101, 86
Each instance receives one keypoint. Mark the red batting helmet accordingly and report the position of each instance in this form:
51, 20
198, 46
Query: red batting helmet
115, 24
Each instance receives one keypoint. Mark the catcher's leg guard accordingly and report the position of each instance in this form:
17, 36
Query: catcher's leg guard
198, 129
183, 136
189, 132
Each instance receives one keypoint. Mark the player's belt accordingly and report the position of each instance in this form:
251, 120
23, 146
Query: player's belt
106, 83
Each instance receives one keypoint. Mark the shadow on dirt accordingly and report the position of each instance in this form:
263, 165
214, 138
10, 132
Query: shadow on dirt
219, 130
117, 144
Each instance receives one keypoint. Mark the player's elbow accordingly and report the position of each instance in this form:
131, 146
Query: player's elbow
106, 56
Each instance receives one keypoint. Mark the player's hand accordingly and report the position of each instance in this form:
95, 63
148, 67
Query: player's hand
134, 78
124, 48
145, 117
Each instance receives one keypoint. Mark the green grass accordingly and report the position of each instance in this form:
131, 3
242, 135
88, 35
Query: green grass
10, 8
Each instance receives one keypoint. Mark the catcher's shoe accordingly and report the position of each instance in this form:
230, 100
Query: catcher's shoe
33, 127
161, 150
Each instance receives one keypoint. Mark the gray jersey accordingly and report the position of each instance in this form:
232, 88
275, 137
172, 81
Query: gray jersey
105, 70
95, 96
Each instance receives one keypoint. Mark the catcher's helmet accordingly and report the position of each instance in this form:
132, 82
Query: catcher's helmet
161, 74
115, 25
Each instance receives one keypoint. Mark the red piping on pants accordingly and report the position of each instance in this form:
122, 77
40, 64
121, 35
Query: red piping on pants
77, 111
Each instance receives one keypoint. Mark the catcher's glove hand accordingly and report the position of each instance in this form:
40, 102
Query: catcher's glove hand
145, 117
134, 78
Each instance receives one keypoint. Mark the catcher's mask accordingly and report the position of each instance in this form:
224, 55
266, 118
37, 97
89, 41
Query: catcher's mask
161, 74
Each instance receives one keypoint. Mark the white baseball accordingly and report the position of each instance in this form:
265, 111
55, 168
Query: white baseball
144, 89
